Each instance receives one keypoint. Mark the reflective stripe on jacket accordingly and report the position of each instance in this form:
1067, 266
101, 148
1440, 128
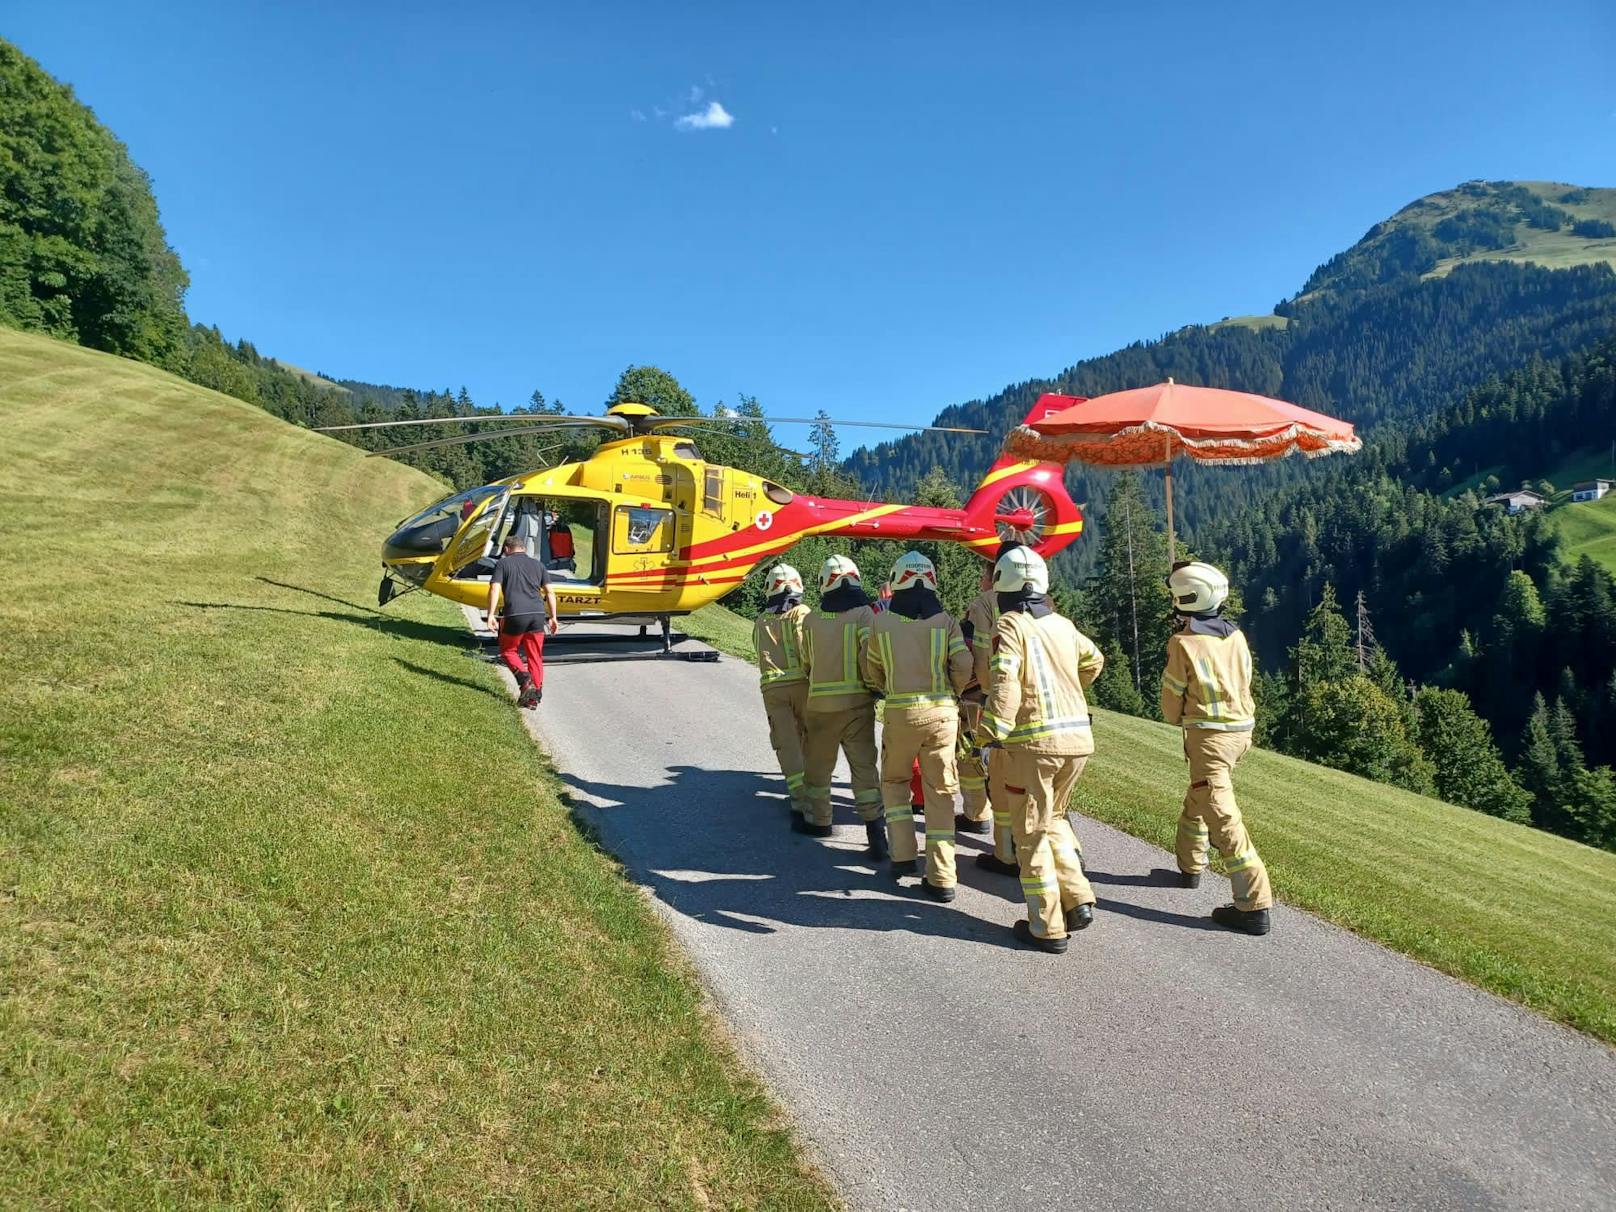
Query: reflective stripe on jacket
831, 644
983, 615
1040, 668
1207, 683
778, 641
917, 662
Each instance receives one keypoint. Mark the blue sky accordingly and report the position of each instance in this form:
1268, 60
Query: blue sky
895, 207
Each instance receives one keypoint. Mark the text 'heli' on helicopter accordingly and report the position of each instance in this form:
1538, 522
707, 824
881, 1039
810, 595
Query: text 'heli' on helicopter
645, 529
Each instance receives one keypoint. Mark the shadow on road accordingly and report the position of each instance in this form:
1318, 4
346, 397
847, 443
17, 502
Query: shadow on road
716, 845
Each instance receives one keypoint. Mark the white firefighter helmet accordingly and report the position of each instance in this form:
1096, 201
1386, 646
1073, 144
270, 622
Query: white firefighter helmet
838, 570
782, 578
913, 568
1020, 568
1197, 588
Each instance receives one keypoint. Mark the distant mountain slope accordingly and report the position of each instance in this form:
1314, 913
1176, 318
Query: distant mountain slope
1542, 222
1395, 329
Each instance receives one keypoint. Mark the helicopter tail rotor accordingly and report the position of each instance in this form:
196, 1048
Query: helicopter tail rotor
1023, 501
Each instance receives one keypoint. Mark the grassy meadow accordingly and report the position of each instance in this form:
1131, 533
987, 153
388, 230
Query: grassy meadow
290, 913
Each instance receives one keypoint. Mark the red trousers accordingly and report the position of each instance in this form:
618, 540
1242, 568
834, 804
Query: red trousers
524, 654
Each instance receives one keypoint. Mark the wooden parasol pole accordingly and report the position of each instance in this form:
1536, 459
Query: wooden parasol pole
1172, 544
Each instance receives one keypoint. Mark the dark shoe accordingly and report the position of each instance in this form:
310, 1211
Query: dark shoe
1025, 936
1079, 918
937, 894
964, 824
905, 867
803, 825
1189, 879
1247, 921
875, 835
993, 863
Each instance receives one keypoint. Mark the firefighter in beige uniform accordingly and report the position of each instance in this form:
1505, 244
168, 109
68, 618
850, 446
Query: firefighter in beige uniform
777, 639
916, 657
1206, 689
1037, 711
841, 711
981, 616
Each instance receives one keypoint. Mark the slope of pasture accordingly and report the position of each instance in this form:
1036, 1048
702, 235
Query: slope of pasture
1588, 528
1524, 913
290, 913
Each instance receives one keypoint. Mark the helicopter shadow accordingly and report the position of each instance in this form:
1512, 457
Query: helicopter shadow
450, 679
716, 846
315, 593
405, 629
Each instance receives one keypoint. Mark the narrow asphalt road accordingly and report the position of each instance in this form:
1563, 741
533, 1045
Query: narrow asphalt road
933, 1065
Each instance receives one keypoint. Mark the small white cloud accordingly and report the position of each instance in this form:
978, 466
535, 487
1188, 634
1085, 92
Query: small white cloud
637, 114
695, 94
774, 130
714, 117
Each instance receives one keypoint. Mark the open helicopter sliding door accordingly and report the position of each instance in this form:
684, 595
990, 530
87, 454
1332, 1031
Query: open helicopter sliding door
463, 571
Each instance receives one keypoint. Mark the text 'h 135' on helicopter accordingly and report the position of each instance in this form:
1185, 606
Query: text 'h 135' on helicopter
645, 529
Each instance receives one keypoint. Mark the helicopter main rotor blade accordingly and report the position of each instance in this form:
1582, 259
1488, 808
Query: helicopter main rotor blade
462, 439
664, 422
529, 418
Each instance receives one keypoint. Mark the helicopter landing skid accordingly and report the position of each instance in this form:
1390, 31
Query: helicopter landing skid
666, 653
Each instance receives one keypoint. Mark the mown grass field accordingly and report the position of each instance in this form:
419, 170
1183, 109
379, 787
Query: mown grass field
290, 913
1521, 912
1588, 528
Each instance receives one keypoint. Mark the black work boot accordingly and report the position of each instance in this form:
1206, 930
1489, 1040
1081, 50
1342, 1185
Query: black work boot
801, 824
918, 809
964, 824
875, 834
1079, 917
1189, 879
1246, 921
1025, 936
937, 894
995, 864
905, 867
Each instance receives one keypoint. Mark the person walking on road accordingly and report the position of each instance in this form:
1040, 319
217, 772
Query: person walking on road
982, 772
777, 639
841, 711
1038, 712
1206, 690
522, 605
916, 657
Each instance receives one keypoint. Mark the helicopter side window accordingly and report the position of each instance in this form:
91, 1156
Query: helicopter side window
642, 531
712, 493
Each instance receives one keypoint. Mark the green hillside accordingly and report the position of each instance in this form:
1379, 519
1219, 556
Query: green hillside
290, 913
1523, 913
1539, 222
1588, 529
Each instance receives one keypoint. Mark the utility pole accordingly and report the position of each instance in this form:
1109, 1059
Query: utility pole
1133, 597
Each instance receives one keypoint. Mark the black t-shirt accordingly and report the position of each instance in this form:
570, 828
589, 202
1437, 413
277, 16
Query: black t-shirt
521, 579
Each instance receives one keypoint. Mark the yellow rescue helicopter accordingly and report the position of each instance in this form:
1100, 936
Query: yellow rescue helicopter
645, 529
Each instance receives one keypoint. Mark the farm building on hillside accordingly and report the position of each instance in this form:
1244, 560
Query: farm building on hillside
1518, 501
1589, 490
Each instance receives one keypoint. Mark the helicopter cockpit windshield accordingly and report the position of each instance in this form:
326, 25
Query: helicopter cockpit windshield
430, 531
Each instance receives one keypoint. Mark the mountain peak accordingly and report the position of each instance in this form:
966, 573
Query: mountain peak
1545, 222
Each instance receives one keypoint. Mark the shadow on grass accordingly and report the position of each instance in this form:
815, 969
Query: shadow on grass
450, 679
716, 846
315, 593
405, 629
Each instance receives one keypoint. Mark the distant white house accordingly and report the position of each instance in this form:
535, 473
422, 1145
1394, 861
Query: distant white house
1518, 501
1589, 490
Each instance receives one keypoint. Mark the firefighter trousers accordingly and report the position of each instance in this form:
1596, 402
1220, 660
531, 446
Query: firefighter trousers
1004, 840
786, 707
973, 775
928, 734
1039, 787
851, 731
1211, 816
